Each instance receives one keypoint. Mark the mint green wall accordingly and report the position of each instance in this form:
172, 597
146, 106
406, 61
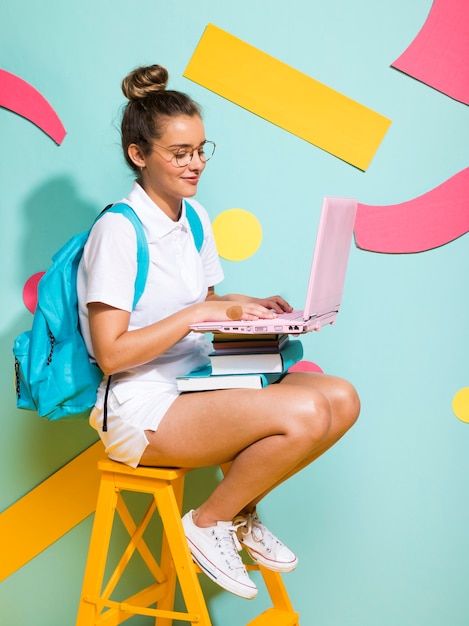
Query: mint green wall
381, 522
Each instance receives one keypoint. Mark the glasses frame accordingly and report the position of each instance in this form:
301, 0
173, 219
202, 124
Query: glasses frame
174, 158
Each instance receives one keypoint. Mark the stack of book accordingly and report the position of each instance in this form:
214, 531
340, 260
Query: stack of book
244, 361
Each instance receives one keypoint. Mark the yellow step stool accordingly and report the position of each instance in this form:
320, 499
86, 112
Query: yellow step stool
166, 486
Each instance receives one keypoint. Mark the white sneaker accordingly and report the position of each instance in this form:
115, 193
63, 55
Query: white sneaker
262, 546
215, 550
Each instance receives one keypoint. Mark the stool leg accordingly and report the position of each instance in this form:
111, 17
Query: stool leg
277, 590
97, 554
175, 544
166, 559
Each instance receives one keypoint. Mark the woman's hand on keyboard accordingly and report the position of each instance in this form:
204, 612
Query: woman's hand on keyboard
275, 303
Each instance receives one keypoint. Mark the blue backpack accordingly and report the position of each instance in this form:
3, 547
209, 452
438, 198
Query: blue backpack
53, 371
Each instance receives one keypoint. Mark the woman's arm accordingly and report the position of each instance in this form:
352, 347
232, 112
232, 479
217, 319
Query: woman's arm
117, 348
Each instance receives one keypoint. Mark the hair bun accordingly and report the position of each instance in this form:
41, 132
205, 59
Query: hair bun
144, 81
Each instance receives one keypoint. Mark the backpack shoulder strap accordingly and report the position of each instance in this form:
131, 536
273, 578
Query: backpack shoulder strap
195, 224
143, 255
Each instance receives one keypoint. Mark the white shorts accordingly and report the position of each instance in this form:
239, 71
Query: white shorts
129, 416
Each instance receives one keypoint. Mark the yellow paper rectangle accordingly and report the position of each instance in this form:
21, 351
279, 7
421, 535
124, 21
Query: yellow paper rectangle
286, 97
49, 510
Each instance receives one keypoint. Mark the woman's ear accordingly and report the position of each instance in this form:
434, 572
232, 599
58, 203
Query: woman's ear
136, 155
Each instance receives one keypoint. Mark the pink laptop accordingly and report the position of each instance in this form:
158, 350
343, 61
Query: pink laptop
326, 280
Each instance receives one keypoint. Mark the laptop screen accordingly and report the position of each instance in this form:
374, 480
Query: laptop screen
330, 257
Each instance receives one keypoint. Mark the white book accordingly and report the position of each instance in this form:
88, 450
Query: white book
258, 363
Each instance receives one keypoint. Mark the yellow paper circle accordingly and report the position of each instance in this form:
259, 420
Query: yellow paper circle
461, 404
238, 234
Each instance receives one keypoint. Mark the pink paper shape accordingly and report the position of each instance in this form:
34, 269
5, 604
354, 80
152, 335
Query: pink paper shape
30, 291
20, 97
439, 55
428, 221
305, 366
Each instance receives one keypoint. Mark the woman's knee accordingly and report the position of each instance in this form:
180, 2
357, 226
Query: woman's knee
340, 393
346, 403
310, 417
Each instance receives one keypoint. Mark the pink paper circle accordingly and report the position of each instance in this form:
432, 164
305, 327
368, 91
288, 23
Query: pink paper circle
30, 291
305, 366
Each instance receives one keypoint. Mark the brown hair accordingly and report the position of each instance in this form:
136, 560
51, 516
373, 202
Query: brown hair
149, 103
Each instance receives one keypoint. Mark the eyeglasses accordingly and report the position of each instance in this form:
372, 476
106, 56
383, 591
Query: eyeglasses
183, 155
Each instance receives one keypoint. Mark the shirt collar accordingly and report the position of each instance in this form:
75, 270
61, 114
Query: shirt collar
155, 222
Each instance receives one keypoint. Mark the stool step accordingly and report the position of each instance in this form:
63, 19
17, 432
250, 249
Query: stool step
276, 617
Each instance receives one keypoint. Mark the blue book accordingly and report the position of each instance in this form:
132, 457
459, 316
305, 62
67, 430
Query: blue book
203, 380
258, 363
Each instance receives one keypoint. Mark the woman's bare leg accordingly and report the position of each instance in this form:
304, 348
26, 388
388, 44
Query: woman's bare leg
267, 435
345, 409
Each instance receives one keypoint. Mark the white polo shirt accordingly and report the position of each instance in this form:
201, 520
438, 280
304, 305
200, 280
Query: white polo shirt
178, 276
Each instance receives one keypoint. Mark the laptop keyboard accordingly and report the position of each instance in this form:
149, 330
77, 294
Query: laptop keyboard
294, 315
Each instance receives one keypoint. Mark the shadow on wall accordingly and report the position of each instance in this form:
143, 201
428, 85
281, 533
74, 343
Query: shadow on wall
52, 214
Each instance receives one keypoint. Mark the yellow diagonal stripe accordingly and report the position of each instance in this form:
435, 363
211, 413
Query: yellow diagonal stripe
286, 97
49, 510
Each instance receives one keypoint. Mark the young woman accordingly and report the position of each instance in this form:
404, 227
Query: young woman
268, 435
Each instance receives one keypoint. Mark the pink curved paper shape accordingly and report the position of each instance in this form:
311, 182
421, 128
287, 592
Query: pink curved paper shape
431, 220
20, 97
439, 55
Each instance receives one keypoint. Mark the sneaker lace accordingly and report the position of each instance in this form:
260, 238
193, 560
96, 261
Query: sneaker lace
229, 546
250, 524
